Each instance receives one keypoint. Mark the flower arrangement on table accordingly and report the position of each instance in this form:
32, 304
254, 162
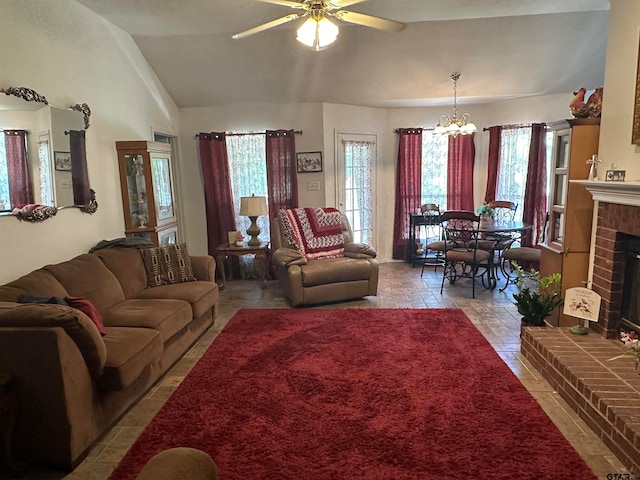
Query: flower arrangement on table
632, 344
485, 210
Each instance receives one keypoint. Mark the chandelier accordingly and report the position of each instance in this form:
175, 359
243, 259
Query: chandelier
455, 125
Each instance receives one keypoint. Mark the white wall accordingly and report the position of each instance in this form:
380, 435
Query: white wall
71, 55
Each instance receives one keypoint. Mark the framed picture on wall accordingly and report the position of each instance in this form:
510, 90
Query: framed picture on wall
309, 162
62, 160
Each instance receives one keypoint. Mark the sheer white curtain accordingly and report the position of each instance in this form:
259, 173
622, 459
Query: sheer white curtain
435, 151
514, 159
44, 160
358, 208
5, 201
248, 169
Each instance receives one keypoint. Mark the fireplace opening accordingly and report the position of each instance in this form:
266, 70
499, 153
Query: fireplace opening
630, 312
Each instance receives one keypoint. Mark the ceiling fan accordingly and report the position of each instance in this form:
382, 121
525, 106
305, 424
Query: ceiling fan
318, 31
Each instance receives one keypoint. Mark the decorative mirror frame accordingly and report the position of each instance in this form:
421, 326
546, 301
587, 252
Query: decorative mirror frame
43, 212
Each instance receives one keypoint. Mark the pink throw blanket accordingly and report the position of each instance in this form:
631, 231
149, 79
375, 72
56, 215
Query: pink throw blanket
315, 232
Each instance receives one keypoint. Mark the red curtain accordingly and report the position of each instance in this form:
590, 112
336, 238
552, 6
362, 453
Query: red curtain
20, 188
408, 187
79, 172
282, 176
462, 153
218, 197
535, 194
493, 164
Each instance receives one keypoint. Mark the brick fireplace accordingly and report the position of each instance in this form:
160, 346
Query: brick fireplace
605, 394
618, 216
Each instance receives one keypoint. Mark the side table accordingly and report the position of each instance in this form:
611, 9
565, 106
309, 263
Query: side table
8, 413
262, 254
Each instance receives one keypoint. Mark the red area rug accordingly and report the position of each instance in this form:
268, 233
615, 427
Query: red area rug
375, 394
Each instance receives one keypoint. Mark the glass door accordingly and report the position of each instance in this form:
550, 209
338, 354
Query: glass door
356, 166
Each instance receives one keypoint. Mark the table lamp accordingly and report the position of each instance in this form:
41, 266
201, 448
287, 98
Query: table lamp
253, 207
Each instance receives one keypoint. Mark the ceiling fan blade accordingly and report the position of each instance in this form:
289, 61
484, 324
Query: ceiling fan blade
343, 3
284, 3
268, 25
369, 21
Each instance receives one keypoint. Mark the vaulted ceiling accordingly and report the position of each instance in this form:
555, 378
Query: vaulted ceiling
503, 49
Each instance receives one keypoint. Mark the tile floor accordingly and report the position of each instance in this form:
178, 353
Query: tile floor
400, 286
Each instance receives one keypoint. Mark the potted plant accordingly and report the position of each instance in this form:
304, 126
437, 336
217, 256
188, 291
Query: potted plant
537, 296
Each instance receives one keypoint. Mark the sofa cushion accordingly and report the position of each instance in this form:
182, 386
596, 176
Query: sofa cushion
167, 265
86, 276
39, 282
335, 270
130, 351
168, 316
75, 323
86, 307
126, 264
201, 295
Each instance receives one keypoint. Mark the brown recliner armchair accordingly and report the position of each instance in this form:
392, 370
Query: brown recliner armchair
309, 282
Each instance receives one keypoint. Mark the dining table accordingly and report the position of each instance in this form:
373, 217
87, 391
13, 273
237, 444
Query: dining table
501, 234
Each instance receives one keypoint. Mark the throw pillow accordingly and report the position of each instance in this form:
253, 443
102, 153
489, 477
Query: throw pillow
86, 307
167, 265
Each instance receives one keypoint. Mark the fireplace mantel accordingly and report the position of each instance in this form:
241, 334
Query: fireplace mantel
622, 193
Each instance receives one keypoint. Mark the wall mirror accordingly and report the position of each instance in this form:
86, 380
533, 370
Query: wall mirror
43, 165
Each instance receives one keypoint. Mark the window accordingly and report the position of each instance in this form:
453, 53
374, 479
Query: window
514, 161
248, 169
5, 203
435, 151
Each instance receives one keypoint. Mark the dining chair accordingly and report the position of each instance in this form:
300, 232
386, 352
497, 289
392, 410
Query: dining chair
526, 257
504, 212
463, 256
433, 236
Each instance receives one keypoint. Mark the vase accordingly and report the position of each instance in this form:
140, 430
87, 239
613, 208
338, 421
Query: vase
486, 222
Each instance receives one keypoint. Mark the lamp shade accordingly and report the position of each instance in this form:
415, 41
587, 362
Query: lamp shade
317, 33
253, 206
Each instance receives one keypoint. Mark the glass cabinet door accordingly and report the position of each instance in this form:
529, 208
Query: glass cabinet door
162, 191
137, 191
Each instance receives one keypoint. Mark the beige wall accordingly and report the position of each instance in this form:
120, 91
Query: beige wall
71, 55
616, 150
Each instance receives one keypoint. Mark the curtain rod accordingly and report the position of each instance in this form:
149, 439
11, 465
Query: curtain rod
511, 126
228, 134
428, 129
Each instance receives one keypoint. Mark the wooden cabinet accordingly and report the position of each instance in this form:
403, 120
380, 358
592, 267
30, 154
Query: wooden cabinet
568, 238
146, 179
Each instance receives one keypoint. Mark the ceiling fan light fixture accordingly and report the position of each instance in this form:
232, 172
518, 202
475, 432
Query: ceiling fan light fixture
318, 33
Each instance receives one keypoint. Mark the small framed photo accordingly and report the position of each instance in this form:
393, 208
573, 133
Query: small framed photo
233, 237
615, 175
62, 160
309, 162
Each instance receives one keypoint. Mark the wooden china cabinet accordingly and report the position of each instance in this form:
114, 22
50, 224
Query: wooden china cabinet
146, 179
568, 237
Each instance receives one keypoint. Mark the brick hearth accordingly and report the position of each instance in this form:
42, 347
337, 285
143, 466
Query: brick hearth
605, 394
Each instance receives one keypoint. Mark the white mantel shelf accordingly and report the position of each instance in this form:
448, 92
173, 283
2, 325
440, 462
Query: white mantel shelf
623, 193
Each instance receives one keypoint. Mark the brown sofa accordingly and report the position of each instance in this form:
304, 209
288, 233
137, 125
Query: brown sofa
309, 282
72, 383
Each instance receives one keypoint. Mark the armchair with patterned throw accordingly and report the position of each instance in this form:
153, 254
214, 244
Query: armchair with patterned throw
317, 259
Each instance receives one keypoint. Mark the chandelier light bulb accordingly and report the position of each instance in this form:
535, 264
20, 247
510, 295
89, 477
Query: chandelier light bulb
317, 33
